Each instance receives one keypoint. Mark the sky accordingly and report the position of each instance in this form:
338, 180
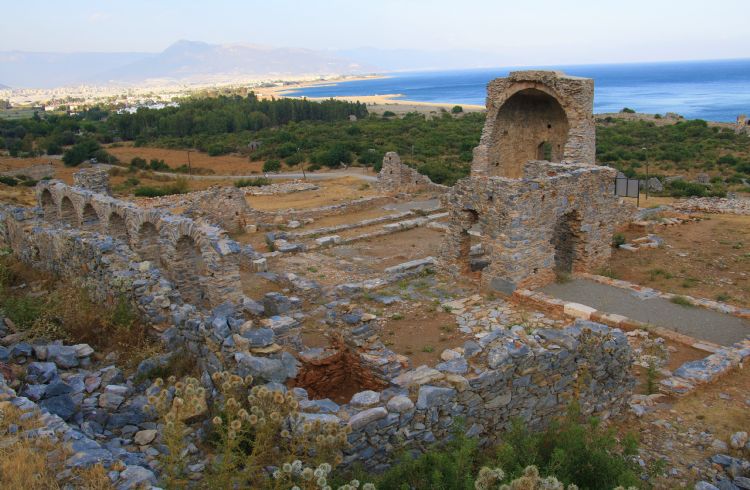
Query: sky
517, 31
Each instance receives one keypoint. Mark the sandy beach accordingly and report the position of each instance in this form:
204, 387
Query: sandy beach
377, 104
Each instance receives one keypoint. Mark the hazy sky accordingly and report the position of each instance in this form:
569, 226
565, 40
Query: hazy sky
517, 31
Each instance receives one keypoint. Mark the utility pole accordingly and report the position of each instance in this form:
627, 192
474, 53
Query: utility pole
190, 168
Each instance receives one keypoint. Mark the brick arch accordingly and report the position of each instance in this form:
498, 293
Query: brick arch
68, 214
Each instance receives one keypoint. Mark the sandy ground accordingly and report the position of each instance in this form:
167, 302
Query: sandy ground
707, 259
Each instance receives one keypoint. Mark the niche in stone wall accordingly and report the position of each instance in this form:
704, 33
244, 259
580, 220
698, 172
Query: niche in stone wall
147, 243
117, 227
48, 205
68, 213
530, 125
89, 218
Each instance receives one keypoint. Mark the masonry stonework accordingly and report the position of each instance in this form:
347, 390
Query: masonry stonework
395, 176
94, 179
534, 201
536, 115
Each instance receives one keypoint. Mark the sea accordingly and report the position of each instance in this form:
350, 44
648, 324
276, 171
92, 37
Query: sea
717, 90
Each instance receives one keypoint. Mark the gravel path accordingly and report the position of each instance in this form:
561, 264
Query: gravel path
693, 321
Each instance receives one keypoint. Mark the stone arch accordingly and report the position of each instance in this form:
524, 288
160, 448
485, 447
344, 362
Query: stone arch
89, 218
525, 123
68, 213
117, 227
567, 242
188, 271
48, 205
148, 244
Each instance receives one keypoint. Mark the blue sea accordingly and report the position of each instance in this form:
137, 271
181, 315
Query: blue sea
710, 90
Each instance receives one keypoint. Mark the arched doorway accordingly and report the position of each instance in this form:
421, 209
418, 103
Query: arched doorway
117, 227
566, 240
530, 125
68, 212
147, 243
188, 271
48, 205
89, 218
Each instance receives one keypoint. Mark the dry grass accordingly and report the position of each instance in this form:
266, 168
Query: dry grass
33, 463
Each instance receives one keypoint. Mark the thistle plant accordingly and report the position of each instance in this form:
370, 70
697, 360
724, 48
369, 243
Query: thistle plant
175, 403
296, 476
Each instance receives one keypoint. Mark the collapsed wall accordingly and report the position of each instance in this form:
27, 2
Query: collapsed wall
94, 179
504, 375
558, 219
395, 176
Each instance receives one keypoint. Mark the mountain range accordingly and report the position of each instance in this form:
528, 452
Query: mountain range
194, 62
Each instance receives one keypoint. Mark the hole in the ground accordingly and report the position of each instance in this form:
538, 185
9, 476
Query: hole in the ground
338, 375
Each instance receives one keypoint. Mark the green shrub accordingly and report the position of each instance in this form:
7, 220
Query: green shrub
575, 450
389, 114
627, 110
618, 239
682, 301
294, 160
457, 109
256, 182
272, 165
8, 180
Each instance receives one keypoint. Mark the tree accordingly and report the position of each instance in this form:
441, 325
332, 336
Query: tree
457, 109
272, 165
81, 151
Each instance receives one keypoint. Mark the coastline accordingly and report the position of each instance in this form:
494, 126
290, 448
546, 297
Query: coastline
375, 103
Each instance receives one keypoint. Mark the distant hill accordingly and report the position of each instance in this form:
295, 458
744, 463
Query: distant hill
183, 61
3, 87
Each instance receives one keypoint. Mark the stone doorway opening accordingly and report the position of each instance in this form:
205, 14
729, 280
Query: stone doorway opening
566, 239
470, 233
336, 373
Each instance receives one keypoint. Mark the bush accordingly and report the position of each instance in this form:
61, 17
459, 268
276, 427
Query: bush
295, 159
272, 165
82, 151
8, 180
256, 182
574, 450
158, 165
627, 110
457, 109
618, 239
387, 114
138, 162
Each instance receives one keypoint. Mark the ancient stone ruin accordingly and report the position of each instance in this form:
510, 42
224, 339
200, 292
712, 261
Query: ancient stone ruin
535, 204
94, 179
742, 125
535, 115
398, 177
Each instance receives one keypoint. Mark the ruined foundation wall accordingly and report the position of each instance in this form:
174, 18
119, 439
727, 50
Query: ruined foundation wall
507, 375
36, 172
561, 219
395, 177
94, 179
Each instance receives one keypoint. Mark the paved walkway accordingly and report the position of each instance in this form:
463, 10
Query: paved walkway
696, 322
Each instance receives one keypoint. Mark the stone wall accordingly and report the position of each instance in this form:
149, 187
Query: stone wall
535, 115
559, 218
94, 179
395, 176
502, 376
199, 258
742, 125
222, 205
